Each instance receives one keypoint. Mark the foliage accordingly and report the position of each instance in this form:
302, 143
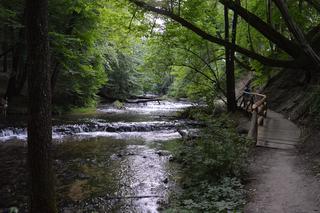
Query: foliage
118, 105
123, 76
224, 196
82, 49
212, 168
209, 16
156, 67
89, 41
313, 101
114, 44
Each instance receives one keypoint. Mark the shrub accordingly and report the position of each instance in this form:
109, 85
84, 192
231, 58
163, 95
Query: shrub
212, 169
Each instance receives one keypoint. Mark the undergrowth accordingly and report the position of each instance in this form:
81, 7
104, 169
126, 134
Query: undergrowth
213, 165
314, 106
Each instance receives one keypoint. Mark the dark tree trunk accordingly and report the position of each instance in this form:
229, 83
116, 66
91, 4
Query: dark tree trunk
269, 19
231, 99
16, 63
5, 63
18, 72
21, 79
42, 194
229, 54
232, 58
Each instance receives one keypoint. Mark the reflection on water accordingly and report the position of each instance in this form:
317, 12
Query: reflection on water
164, 135
147, 182
108, 175
102, 165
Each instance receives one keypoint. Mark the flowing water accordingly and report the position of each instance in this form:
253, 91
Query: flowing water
109, 161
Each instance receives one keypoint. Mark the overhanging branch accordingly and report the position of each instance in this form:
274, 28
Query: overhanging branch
262, 59
297, 33
264, 28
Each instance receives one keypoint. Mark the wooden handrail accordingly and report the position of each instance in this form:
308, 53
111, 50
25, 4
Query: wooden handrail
256, 105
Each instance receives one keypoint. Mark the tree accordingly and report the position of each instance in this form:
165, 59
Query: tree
284, 43
293, 46
229, 58
42, 194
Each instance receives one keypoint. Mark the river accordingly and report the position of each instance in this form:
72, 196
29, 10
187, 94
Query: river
108, 161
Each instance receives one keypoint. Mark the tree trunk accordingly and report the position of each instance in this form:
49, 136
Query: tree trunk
5, 64
18, 71
16, 64
299, 36
42, 194
230, 59
232, 55
229, 71
269, 19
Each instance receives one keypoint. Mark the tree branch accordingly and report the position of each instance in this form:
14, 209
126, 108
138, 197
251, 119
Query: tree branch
243, 64
264, 28
262, 59
203, 61
297, 33
197, 70
205, 75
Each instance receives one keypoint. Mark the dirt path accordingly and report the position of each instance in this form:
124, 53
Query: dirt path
280, 182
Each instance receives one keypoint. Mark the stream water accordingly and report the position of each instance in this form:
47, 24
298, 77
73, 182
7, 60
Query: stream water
109, 161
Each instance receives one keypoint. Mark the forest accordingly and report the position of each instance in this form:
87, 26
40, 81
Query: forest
159, 106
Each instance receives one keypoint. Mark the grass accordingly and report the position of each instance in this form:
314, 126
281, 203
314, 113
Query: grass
83, 110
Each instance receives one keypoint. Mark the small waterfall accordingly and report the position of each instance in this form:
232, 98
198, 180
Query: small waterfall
98, 128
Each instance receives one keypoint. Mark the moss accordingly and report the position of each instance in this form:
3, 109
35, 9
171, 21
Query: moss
83, 110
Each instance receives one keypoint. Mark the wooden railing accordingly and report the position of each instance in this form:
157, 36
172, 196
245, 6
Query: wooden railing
256, 105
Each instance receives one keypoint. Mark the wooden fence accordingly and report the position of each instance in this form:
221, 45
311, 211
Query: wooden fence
256, 105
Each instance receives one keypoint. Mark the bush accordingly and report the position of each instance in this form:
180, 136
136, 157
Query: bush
212, 169
225, 196
219, 152
118, 104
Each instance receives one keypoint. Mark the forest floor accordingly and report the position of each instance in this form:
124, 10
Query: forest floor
280, 177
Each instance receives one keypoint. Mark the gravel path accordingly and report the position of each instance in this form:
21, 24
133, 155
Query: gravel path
280, 181
281, 184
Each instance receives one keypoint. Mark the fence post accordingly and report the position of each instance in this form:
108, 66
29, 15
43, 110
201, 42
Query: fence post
253, 131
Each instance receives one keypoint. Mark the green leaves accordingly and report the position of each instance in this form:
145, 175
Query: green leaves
88, 39
212, 168
123, 76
